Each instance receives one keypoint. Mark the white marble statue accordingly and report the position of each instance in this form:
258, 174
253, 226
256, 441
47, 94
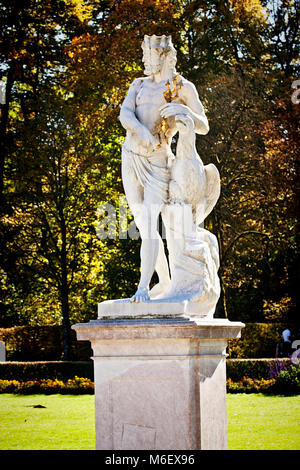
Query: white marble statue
146, 152
156, 182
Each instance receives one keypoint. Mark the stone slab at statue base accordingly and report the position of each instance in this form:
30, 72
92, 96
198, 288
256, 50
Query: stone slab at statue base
123, 308
160, 383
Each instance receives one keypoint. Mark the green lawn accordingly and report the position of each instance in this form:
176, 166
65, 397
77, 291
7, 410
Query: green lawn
255, 421
67, 422
260, 422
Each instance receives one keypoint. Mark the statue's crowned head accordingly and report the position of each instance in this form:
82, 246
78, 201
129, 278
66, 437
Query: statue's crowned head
156, 51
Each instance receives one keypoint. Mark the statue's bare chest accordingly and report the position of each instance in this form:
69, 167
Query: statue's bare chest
150, 93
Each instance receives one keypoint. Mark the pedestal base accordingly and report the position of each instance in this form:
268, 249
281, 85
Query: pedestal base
123, 308
160, 384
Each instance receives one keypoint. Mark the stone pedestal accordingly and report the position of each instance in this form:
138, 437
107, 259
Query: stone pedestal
160, 383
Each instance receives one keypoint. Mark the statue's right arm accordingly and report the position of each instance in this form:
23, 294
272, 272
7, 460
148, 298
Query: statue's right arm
129, 120
128, 117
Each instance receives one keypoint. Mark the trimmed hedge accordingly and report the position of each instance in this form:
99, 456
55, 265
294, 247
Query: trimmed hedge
61, 370
41, 343
258, 369
285, 382
285, 379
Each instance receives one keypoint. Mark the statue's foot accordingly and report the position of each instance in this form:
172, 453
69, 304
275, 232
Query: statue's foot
141, 295
159, 289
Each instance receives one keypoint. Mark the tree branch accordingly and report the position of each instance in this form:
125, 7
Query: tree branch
237, 238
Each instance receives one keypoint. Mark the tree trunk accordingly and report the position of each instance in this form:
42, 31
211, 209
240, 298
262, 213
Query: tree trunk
66, 329
64, 292
221, 310
3, 127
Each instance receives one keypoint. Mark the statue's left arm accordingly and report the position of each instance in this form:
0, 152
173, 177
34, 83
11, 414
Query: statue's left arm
192, 107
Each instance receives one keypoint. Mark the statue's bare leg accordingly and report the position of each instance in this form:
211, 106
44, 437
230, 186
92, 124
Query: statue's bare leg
162, 269
146, 219
146, 207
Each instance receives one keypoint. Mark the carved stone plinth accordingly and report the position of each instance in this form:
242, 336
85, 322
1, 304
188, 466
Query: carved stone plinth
160, 383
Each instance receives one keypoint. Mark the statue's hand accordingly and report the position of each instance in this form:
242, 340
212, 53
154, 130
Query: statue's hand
173, 109
145, 137
184, 122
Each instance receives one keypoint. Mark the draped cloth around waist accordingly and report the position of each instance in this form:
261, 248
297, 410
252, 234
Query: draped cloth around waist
149, 174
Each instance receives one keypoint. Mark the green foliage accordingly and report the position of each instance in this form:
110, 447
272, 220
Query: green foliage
236, 369
258, 369
36, 343
288, 381
66, 68
41, 343
258, 340
279, 376
43, 378
61, 370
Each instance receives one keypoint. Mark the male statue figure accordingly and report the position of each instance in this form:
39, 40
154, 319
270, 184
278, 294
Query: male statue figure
149, 114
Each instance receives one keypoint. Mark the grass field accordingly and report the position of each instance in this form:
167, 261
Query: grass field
67, 422
260, 422
255, 422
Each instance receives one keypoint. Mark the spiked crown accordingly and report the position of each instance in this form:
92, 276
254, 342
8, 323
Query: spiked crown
163, 42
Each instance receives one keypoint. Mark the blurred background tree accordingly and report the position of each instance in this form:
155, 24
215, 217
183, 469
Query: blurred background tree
65, 67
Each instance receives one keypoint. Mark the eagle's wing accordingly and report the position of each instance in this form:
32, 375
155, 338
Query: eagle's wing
213, 188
